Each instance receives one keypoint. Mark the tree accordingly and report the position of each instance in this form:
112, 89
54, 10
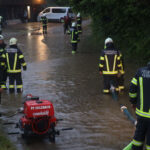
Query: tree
126, 21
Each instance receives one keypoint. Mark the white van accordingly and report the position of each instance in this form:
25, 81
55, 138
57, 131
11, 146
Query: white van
56, 13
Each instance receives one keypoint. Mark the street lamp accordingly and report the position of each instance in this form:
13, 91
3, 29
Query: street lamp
38, 1
29, 12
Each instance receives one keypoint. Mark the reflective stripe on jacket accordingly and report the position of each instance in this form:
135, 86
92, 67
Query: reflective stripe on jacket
74, 35
14, 60
109, 62
44, 21
79, 21
122, 63
139, 92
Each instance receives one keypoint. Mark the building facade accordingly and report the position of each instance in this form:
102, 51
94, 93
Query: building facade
19, 9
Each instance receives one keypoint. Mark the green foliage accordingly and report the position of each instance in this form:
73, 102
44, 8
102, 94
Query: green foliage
5, 144
126, 21
62, 2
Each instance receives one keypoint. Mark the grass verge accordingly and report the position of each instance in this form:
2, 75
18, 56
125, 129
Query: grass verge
5, 143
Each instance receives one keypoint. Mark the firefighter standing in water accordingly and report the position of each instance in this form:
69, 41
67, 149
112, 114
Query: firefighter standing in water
44, 21
74, 37
4, 74
15, 61
109, 65
79, 23
1, 73
139, 97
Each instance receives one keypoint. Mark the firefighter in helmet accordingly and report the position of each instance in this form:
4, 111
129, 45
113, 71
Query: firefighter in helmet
109, 65
3, 65
44, 21
14, 61
120, 79
139, 98
79, 23
74, 37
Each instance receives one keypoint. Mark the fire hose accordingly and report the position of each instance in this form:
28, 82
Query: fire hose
124, 110
122, 107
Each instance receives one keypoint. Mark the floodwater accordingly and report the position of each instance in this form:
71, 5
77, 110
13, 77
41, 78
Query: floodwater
72, 84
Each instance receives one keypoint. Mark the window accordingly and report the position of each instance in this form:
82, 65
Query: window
58, 10
46, 10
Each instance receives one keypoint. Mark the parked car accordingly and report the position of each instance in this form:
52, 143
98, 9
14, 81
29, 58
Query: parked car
56, 13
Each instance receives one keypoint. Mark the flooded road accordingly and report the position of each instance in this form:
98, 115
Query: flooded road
72, 84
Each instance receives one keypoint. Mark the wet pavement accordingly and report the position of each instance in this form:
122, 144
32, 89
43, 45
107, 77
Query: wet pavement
72, 84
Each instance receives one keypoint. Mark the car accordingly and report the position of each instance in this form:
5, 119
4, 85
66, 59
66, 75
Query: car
56, 13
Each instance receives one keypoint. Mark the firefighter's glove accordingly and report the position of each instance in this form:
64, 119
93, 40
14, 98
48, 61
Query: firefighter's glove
24, 68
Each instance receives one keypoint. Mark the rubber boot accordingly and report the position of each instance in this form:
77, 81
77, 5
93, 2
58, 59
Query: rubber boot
19, 90
11, 90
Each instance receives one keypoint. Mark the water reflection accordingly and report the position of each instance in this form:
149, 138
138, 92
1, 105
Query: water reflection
41, 48
37, 46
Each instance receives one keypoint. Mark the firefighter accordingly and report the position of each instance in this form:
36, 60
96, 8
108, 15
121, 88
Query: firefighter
79, 23
139, 98
74, 37
2, 51
14, 61
109, 65
44, 21
67, 23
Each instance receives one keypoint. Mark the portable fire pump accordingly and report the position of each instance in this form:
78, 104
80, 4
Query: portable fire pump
38, 118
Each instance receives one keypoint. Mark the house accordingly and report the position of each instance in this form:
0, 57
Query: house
19, 9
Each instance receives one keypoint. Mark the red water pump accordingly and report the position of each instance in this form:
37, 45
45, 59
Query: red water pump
38, 118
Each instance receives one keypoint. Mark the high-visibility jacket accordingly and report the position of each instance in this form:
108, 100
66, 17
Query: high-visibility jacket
109, 62
140, 92
74, 35
14, 60
79, 21
44, 21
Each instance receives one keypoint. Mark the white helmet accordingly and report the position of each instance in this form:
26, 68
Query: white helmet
78, 15
73, 24
1, 37
13, 41
108, 40
44, 15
